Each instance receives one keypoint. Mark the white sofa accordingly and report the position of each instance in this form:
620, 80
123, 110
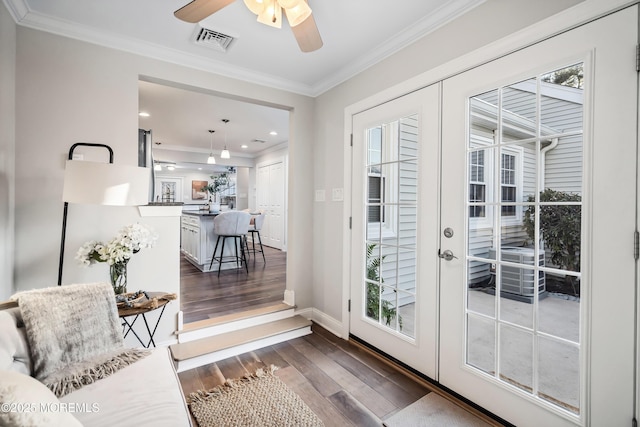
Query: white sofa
145, 393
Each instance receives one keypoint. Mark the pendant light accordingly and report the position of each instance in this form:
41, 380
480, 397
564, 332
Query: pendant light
211, 160
225, 153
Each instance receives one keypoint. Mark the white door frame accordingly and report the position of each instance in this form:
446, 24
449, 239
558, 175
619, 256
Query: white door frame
583, 13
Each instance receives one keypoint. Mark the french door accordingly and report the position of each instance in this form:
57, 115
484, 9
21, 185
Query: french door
396, 173
508, 273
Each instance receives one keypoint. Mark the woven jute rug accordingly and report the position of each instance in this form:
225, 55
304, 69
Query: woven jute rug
260, 399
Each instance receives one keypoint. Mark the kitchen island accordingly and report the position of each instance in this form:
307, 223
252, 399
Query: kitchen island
198, 239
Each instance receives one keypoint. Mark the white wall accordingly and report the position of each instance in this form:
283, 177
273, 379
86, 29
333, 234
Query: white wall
488, 22
187, 176
70, 91
7, 145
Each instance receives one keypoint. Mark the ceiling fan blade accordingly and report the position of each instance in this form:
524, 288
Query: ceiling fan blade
307, 35
197, 10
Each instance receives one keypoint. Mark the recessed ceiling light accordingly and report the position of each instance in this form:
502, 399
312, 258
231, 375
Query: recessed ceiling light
273, 132
143, 114
244, 146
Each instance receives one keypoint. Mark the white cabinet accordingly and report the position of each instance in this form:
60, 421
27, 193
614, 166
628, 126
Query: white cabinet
196, 244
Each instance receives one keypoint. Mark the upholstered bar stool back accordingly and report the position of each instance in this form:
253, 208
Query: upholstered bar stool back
231, 224
254, 228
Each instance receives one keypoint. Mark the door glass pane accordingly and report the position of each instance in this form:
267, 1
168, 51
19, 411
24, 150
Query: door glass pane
559, 373
519, 112
524, 165
516, 357
481, 342
481, 291
392, 213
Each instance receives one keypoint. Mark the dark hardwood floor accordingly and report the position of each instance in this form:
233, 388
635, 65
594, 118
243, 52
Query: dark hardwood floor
342, 383
205, 295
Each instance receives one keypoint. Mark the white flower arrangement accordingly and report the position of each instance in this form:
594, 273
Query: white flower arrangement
129, 241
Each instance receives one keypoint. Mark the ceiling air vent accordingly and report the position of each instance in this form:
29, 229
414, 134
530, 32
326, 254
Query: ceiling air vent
212, 39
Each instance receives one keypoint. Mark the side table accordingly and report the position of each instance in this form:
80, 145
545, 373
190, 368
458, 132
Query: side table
127, 326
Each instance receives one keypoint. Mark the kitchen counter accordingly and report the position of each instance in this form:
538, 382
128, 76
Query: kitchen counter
200, 213
198, 240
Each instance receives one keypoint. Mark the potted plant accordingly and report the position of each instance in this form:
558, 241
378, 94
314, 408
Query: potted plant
219, 182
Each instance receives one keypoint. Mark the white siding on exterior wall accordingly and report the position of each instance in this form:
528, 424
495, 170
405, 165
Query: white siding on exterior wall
399, 249
560, 112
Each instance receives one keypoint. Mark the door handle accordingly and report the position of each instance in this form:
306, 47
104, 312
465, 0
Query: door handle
447, 255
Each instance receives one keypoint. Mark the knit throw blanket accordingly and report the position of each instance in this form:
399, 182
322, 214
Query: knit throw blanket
74, 335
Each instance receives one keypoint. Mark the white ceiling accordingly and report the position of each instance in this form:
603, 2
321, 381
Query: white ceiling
356, 35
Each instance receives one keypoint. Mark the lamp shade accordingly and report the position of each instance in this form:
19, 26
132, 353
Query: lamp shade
225, 153
288, 4
296, 15
105, 184
271, 15
255, 6
211, 160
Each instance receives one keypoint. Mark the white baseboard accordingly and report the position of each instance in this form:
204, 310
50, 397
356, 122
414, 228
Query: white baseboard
329, 323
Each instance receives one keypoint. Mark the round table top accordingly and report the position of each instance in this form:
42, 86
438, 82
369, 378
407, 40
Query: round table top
132, 311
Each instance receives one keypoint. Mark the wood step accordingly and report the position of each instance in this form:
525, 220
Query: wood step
189, 355
233, 322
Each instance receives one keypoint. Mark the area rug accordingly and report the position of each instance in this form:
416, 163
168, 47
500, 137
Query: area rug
434, 410
260, 399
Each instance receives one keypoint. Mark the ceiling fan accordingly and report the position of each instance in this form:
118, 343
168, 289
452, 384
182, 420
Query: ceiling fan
269, 12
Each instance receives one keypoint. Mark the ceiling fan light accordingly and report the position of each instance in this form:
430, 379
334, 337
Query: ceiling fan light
288, 4
225, 153
271, 15
298, 14
255, 6
211, 160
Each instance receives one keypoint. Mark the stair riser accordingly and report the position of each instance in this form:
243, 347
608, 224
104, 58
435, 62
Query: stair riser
207, 358
186, 336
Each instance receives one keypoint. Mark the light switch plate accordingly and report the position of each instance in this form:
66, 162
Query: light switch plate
320, 196
337, 194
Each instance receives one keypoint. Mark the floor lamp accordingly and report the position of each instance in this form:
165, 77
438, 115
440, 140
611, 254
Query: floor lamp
94, 183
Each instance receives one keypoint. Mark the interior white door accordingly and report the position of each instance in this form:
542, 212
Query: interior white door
394, 229
538, 186
271, 189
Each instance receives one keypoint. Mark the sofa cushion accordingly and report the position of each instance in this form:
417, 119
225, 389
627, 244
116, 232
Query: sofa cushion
14, 350
27, 402
146, 393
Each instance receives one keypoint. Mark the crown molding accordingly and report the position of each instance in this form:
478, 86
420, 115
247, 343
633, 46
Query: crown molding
427, 25
92, 35
23, 16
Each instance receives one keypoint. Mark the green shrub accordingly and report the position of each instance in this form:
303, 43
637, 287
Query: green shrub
374, 291
559, 228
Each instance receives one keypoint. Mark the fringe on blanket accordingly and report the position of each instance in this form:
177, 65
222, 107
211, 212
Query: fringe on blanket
76, 380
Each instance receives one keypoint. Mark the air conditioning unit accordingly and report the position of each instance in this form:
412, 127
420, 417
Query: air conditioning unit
519, 283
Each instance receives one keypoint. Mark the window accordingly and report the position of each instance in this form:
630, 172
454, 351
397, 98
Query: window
376, 198
481, 194
477, 184
508, 186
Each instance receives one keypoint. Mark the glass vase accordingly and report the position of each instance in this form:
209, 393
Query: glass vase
118, 276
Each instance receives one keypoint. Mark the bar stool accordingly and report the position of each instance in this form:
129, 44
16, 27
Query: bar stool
231, 224
254, 229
